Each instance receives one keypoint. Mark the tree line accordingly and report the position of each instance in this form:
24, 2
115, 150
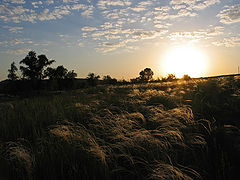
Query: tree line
35, 68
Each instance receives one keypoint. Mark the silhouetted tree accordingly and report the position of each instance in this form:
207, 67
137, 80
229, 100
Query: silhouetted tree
59, 73
50, 73
92, 79
186, 77
12, 72
71, 75
135, 80
164, 79
34, 66
146, 74
171, 77
108, 80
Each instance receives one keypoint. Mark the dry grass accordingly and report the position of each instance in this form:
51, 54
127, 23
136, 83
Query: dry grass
141, 131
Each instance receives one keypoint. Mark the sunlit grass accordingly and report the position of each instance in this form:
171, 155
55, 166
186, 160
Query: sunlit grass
167, 130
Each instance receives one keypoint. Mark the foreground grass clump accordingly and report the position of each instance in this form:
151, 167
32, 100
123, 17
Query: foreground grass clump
178, 130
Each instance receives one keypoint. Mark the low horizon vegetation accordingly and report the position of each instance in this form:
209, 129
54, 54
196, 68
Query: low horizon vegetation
37, 68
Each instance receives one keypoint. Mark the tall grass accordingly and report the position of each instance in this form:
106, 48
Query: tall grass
175, 130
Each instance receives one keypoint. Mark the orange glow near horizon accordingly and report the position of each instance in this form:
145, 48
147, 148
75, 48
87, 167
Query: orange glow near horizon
185, 60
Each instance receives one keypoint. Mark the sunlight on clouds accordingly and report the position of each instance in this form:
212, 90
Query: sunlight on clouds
88, 28
189, 37
230, 14
122, 23
196, 36
228, 42
215, 31
104, 4
35, 4
110, 27
142, 6
141, 34
193, 4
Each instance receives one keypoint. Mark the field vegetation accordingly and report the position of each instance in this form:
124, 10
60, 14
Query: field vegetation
168, 130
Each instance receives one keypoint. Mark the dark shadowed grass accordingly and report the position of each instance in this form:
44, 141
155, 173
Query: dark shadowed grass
144, 131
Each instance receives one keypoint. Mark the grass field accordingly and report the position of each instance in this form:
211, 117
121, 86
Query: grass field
171, 130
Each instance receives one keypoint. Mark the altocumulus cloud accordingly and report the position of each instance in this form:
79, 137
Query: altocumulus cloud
228, 42
15, 1
230, 14
14, 29
117, 24
17, 12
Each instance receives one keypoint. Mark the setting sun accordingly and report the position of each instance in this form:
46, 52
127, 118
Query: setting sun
185, 60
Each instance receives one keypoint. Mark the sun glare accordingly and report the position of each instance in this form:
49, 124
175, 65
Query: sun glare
185, 60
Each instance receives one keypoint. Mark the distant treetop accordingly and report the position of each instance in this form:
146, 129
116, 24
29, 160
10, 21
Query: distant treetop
34, 66
146, 74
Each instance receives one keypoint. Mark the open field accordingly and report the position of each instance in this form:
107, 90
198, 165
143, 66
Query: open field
172, 130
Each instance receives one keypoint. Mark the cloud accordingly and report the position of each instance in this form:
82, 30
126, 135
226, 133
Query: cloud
17, 14
49, 1
107, 25
124, 23
80, 44
138, 9
193, 4
89, 12
228, 42
20, 41
230, 14
18, 51
15, 1
57, 13
89, 28
98, 34
181, 6
161, 25
35, 4
113, 15
164, 15
148, 34
111, 36
215, 31
197, 35
184, 12
13, 10
4, 43
14, 29
70, 1
142, 6
104, 4
190, 37
162, 8
106, 47
79, 7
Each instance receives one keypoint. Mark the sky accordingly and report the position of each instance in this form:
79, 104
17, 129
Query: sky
120, 37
